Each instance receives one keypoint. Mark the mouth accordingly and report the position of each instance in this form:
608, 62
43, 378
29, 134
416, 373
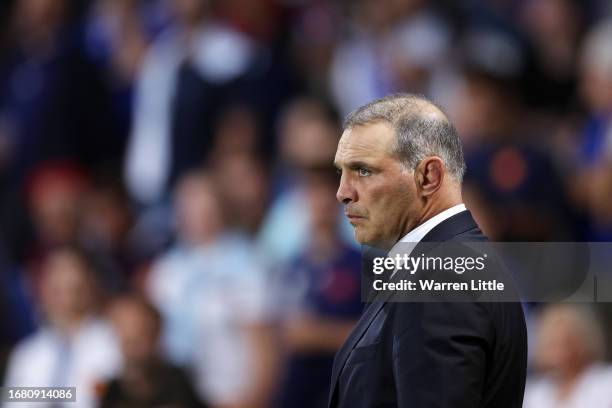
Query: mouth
354, 218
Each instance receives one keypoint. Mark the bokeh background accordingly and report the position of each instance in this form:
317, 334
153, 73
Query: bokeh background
169, 234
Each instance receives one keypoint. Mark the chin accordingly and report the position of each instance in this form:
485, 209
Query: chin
360, 237
363, 239
370, 241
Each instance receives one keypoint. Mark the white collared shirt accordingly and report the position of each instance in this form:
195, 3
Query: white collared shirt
418, 233
89, 357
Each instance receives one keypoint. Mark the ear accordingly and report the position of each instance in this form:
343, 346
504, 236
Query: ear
429, 175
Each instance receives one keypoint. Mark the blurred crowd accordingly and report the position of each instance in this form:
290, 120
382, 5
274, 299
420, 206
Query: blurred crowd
169, 234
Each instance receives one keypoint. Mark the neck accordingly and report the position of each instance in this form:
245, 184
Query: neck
67, 325
432, 206
447, 196
200, 237
435, 208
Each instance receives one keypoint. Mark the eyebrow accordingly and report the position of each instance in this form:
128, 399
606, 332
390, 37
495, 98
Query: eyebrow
353, 164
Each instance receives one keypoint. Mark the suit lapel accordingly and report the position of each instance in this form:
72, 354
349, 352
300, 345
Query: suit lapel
362, 325
444, 231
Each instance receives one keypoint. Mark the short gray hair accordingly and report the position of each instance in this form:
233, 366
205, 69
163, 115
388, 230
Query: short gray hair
418, 134
584, 323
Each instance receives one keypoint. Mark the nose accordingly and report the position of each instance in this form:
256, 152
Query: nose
346, 193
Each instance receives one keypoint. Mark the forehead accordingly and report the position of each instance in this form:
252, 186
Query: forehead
362, 142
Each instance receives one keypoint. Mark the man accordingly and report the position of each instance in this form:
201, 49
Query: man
146, 378
401, 166
209, 288
569, 366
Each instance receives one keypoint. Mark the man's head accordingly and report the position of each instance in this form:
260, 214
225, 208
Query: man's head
569, 339
137, 324
401, 163
68, 288
197, 210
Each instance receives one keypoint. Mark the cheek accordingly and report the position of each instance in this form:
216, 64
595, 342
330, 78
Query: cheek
374, 199
377, 204
392, 199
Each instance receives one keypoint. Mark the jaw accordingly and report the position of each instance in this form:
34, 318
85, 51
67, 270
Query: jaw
363, 238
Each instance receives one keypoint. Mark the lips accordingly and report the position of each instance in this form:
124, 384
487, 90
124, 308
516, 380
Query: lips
354, 217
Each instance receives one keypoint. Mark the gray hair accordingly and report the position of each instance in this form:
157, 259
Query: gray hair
583, 322
421, 130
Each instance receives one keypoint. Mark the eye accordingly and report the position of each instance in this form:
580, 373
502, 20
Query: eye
363, 172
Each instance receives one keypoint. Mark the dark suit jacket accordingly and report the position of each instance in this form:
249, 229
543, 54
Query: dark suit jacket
442, 354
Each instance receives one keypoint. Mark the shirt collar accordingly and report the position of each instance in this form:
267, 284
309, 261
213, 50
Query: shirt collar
417, 234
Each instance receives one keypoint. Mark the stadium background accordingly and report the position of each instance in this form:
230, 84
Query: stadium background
168, 229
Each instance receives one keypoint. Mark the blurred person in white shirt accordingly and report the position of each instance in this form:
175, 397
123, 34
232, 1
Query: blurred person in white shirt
568, 357
74, 347
210, 291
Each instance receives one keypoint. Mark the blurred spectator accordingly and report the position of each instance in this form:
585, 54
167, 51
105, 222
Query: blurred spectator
116, 34
74, 347
237, 168
53, 101
105, 231
195, 69
315, 30
236, 131
243, 188
391, 45
596, 90
146, 379
509, 169
568, 356
591, 188
14, 301
553, 28
486, 105
209, 288
54, 104
55, 196
55, 202
320, 298
308, 135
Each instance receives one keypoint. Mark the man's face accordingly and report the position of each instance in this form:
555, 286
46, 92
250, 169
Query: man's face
136, 330
378, 192
67, 291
